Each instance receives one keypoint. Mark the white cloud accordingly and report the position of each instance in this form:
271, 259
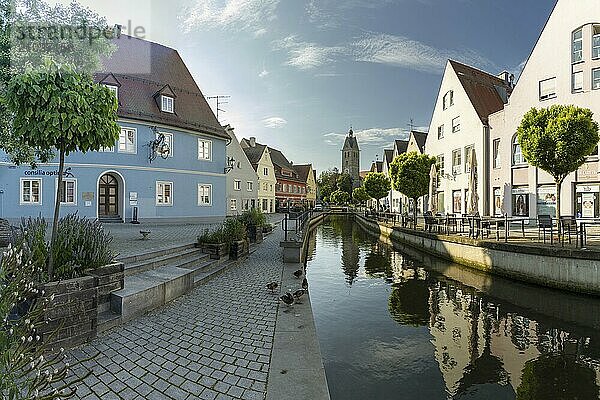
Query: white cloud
274, 122
404, 52
369, 137
253, 15
307, 55
263, 73
378, 48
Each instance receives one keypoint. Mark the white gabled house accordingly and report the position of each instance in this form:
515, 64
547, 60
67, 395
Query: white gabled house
459, 123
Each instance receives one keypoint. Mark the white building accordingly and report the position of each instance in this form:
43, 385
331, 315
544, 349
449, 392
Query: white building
466, 98
260, 158
242, 180
563, 68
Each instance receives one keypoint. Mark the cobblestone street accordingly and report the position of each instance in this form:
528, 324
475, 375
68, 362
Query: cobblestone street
214, 343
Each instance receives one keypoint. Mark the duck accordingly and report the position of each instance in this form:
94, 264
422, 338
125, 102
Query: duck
272, 286
287, 299
305, 284
298, 273
298, 293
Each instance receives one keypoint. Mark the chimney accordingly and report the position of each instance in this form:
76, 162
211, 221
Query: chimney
508, 78
253, 142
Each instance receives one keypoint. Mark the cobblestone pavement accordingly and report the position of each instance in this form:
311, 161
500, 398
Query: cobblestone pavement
127, 239
214, 343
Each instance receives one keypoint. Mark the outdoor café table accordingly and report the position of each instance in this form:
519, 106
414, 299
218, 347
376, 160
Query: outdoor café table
583, 224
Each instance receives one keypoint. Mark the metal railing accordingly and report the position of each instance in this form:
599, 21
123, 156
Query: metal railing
295, 222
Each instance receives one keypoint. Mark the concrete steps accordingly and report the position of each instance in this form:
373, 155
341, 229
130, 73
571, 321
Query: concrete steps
180, 257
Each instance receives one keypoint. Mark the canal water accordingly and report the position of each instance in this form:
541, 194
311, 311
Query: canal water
398, 324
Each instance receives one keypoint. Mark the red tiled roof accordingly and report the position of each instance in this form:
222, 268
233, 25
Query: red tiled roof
482, 89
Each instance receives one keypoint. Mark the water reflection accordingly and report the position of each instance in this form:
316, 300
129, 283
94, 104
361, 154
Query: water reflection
484, 340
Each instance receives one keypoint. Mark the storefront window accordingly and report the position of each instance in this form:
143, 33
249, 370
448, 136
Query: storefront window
520, 201
546, 200
587, 204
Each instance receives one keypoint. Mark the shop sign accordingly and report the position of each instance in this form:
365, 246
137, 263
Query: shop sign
588, 188
40, 172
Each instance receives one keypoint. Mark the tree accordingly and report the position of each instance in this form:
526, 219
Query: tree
359, 195
327, 183
55, 107
339, 197
84, 42
377, 185
344, 182
557, 140
410, 175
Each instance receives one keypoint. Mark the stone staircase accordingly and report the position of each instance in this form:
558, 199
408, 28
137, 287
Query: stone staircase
155, 278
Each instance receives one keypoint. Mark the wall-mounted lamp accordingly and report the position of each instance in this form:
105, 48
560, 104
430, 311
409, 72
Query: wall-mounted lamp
230, 164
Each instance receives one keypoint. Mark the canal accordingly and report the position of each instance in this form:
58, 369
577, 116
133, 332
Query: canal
394, 323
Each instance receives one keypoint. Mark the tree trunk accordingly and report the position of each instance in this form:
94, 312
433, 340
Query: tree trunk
59, 192
558, 187
415, 212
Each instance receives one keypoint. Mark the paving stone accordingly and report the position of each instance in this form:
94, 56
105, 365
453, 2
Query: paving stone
221, 352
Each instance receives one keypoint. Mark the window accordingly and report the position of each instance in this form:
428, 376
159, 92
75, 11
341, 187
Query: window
128, 140
204, 149
69, 192
498, 201
164, 193
548, 89
166, 104
520, 201
441, 132
233, 204
266, 171
249, 186
440, 166
496, 153
577, 81
596, 78
237, 185
577, 46
265, 187
114, 89
448, 100
107, 149
168, 141
456, 125
516, 152
31, 191
596, 42
456, 161
204, 194
468, 152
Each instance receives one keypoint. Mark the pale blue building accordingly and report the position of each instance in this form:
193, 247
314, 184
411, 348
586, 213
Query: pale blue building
168, 164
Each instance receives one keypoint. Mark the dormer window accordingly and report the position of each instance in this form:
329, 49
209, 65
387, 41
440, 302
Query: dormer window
596, 43
577, 46
114, 89
448, 99
166, 104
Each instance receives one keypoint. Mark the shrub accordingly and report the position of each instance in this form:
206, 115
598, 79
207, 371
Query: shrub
253, 217
213, 237
81, 245
234, 229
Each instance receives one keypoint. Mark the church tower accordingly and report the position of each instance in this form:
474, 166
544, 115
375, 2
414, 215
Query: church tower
351, 158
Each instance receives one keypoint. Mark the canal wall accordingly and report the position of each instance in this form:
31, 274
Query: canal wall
565, 269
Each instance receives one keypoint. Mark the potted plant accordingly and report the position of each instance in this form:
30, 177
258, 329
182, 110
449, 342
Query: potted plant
254, 220
213, 243
235, 232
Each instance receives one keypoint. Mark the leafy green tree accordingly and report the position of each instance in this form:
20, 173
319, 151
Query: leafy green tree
359, 195
557, 140
85, 41
339, 197
55, 107
377, 185
344, 182
410, 175
328, 183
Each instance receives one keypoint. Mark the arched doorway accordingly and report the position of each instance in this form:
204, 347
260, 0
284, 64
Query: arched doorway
108, 196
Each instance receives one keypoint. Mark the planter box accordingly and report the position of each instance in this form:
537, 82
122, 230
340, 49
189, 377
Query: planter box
216, 250
72, 317
255, 234
109, 278
238, 249
267, 228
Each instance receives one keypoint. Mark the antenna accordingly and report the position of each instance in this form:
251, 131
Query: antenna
411, 125
220, 102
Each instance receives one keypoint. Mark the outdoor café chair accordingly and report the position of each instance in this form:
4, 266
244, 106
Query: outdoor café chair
545, 223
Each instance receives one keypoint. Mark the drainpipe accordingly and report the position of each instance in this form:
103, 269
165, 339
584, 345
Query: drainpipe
486, 176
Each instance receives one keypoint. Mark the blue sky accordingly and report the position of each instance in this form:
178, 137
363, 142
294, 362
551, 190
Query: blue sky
301, 72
